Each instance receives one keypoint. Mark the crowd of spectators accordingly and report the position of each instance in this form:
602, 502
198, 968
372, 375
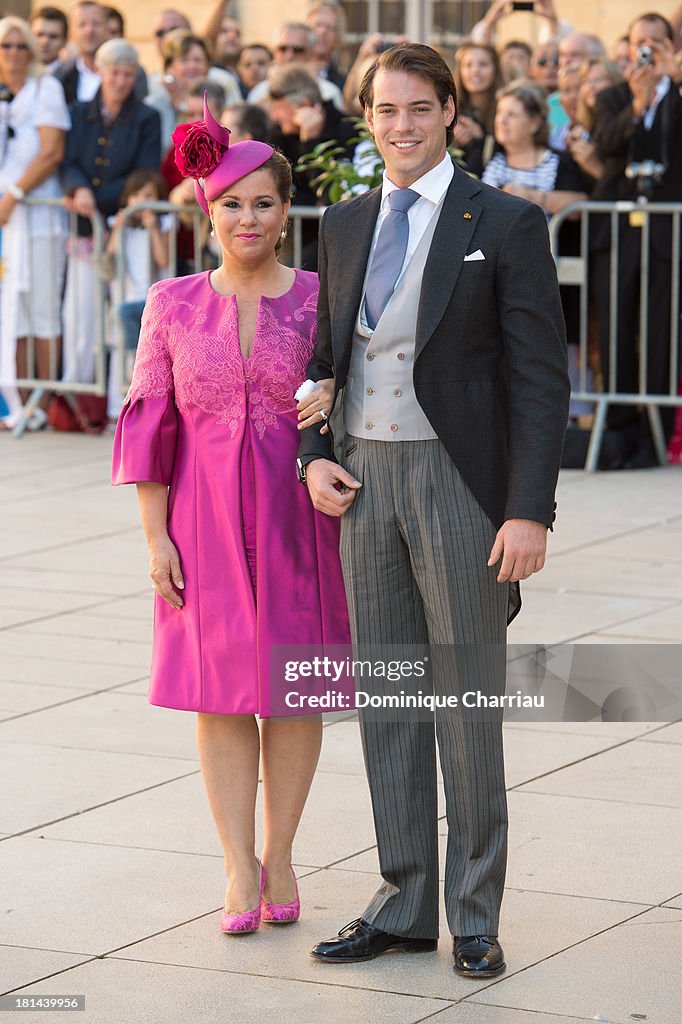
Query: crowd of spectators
568, 118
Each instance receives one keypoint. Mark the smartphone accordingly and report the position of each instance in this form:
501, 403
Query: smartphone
520, 6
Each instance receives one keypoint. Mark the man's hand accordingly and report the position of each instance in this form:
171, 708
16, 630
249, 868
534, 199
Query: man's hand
522, 544
665, 61
642, 82
310, 121
322, 477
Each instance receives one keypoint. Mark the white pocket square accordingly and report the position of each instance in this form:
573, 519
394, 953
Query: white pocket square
478, 255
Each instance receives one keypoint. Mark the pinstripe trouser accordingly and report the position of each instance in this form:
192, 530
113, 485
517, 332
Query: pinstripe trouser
414, 550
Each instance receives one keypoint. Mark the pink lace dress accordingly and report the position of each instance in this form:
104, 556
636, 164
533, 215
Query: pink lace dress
260, 565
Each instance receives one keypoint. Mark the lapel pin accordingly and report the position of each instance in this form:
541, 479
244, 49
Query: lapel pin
467, 216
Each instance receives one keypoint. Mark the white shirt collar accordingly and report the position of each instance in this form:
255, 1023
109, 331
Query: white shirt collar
662, 87
83, 69
432, 186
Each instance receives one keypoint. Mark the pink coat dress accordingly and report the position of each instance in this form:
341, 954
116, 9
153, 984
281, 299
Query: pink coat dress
260, 564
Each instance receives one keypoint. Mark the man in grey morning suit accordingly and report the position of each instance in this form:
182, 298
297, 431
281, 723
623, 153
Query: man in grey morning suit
439, 316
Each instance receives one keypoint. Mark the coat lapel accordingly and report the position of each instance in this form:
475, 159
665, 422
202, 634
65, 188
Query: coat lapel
359, 231
456, 224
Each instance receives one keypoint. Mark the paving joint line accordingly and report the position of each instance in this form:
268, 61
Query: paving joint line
68, 700
101, 602
95, 807
565, 949
109, 535
588, 757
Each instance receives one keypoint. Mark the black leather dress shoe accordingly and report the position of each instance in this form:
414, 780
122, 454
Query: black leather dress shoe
360, 941
478, 956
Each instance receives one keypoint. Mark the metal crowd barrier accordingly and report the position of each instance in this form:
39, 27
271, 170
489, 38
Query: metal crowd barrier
297, 214
574, 271
53, 382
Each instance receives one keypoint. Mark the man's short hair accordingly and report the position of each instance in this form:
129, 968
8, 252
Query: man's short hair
52, 14
329, 5
113, 14
518, 44
249, 119
213, 90
293, 82
653, 16
415, 59
84, 3
298, 26
256, 46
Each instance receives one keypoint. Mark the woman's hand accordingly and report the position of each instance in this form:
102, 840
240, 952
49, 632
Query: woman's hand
515, 188
370, 46
545, 9
164, 569
175, 90
7, 204
319, 400
310, 122
84, 201
500, 9
465, 130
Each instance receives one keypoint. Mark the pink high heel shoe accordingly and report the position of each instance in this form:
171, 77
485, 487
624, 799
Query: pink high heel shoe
242, 924
281, 913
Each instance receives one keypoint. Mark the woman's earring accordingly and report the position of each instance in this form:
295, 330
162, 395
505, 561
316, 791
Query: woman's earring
212, 230
283, 232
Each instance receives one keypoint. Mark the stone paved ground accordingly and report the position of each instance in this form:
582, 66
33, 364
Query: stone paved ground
111, 874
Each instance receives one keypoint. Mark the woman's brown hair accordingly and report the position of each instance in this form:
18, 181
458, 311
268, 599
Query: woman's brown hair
484, 114
178, 43
532, 98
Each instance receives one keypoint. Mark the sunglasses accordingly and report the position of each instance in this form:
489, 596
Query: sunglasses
292, 49
14, 46
544, 61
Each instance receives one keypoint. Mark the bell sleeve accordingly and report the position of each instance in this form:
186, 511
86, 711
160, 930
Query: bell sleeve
146, 432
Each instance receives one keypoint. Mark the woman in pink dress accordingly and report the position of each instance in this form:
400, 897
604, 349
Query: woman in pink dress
239, 558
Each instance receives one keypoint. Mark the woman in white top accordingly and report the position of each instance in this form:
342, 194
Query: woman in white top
34, 120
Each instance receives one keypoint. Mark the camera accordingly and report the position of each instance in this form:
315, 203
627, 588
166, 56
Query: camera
645, 55
647, 174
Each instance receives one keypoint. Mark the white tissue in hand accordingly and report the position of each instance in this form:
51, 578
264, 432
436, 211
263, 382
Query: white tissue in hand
306, 387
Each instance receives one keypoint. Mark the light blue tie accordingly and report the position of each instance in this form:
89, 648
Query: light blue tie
389, 254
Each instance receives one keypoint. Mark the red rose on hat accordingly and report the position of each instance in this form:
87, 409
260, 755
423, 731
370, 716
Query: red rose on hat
197, 153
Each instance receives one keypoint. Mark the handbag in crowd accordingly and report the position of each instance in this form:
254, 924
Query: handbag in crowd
73, 413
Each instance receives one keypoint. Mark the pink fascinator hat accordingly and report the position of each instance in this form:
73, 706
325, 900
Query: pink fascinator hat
203, 152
